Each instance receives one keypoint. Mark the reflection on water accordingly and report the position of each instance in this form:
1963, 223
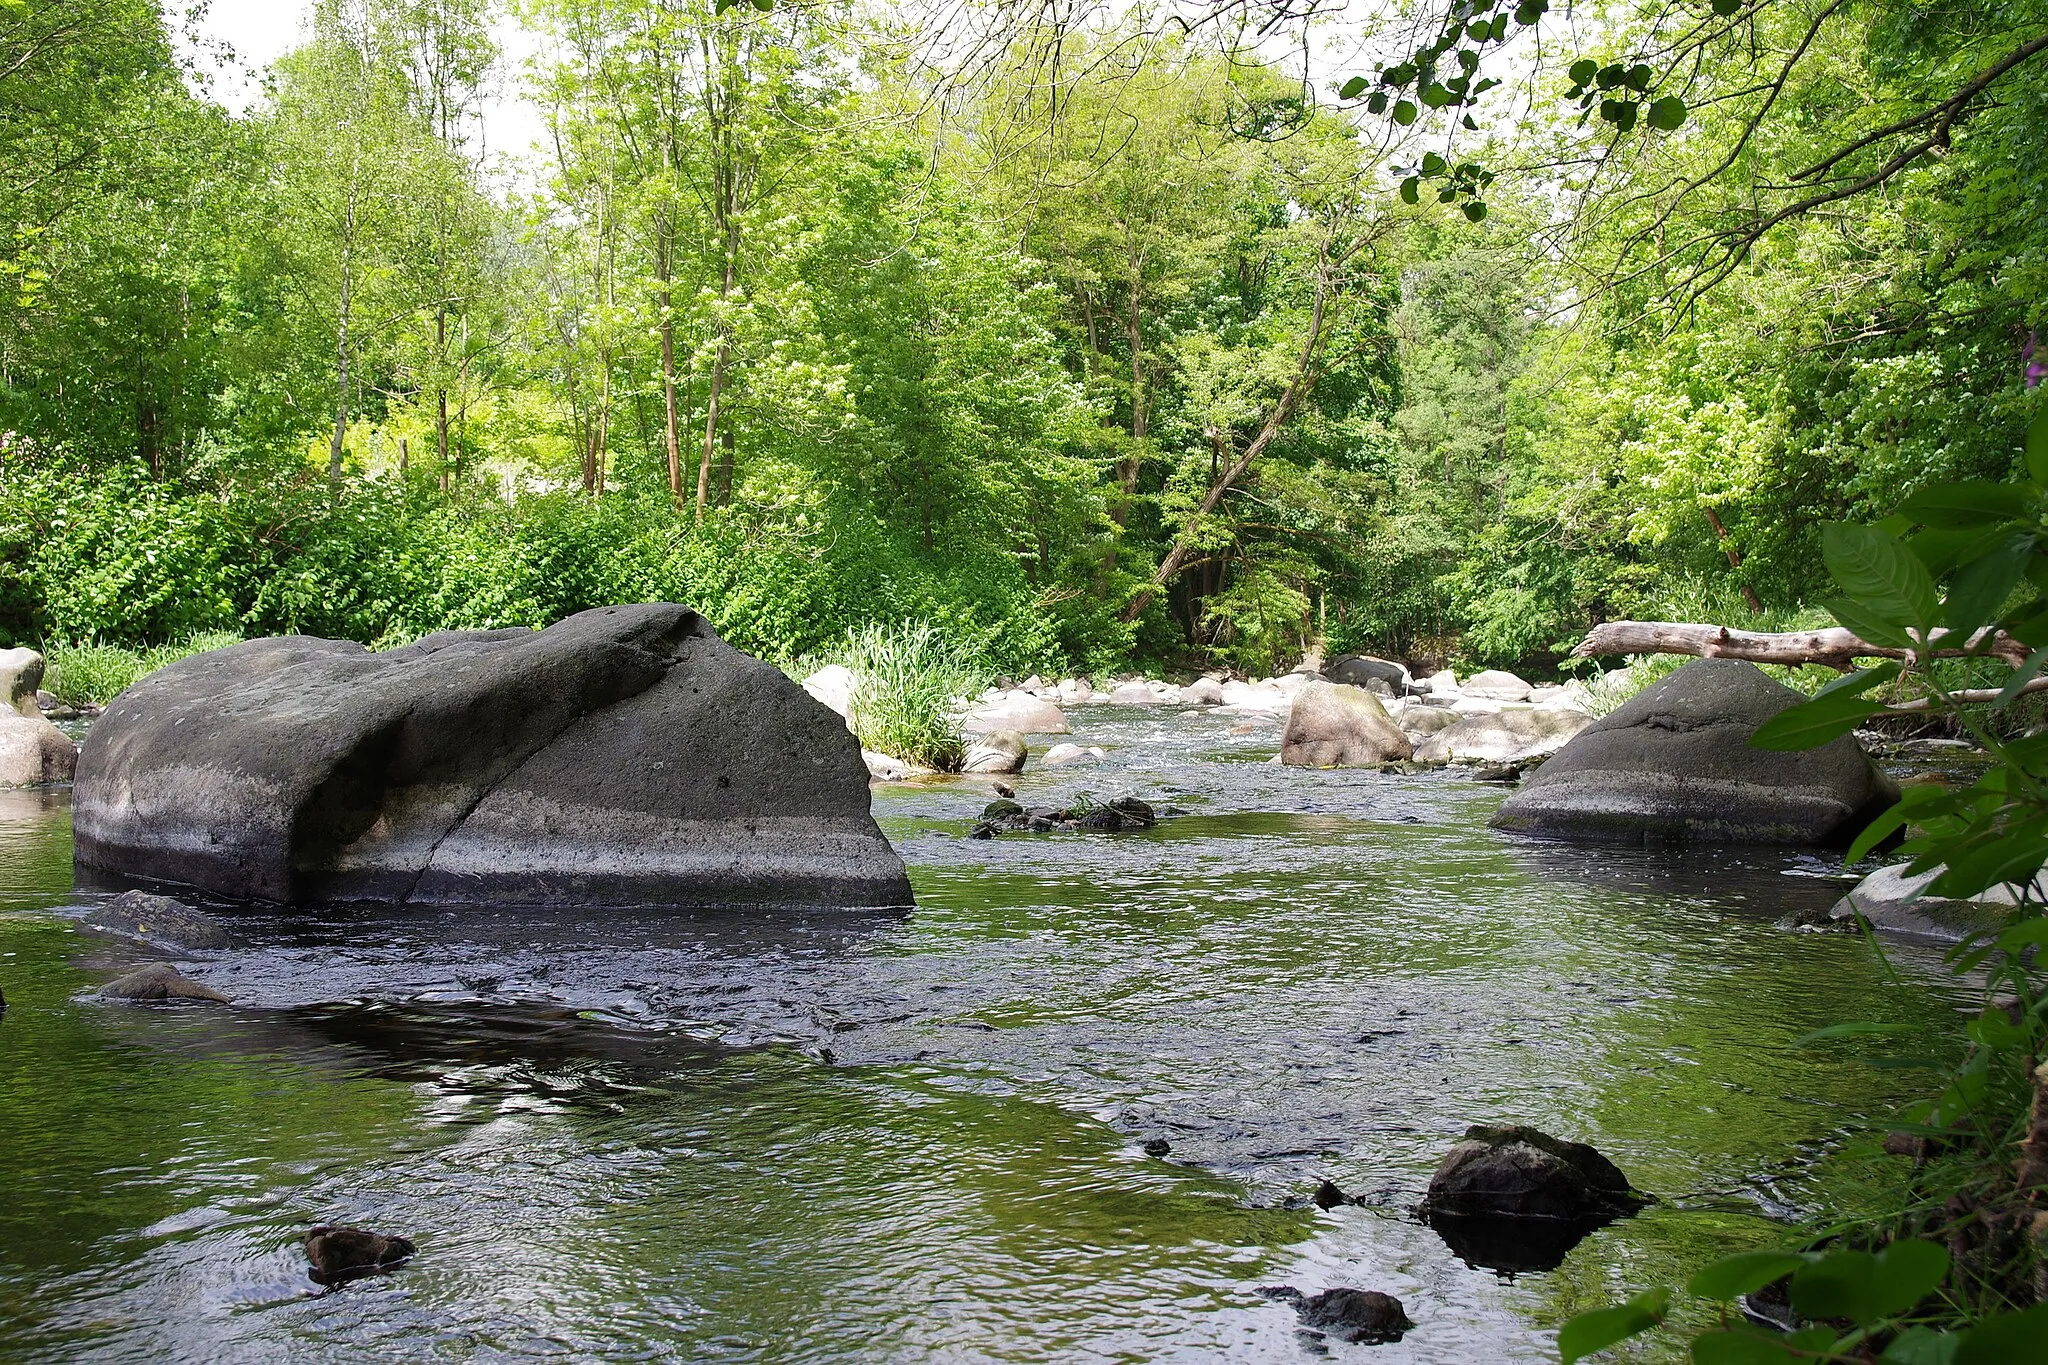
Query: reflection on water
886, 1137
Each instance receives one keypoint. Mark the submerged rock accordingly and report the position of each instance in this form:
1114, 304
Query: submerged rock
624, 756
1503, 737
158, 981
340, 1254
1516, 1172
1674, 765
1060, 755
1364, 1317
1335, 726
156, 919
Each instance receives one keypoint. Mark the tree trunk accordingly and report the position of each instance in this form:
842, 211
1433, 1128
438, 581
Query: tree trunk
672, 435
1128, 467
728, 457
441, 385
1756, 608
1835, 647
341, 378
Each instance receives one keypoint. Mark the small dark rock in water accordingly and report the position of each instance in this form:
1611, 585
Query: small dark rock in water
1112, 817
1099, 821
1157, 1147
1136, 814
158, 981
1363, 1317
1498, 772
1328, 1196
156, 919
1000, 810
984, 830
340, 1254
1516, 1172
1002, 789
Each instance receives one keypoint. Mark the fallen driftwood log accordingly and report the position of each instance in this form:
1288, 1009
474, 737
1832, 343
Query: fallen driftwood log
1835, 648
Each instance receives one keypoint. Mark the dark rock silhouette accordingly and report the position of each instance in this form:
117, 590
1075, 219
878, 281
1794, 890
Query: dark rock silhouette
341, 1254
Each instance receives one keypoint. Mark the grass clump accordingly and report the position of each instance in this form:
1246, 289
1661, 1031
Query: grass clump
94, 674
908, 682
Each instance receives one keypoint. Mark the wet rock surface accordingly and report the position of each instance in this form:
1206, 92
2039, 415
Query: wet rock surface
338, 1255
624, 756
158, 981
1674, 765
1518, 1172
1364, 1317
149, 918
1115, 816
1506, 737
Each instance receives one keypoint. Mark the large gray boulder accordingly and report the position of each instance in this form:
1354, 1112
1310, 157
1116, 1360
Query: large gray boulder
1674, 765
1896, 901
1018, 711
624, 756
1503, 737
1333, 725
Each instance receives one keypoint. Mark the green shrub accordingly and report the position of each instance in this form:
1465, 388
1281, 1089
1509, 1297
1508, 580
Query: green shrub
908, 681
94, 674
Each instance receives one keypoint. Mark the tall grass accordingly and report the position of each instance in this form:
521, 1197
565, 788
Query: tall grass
908, 680
94, 674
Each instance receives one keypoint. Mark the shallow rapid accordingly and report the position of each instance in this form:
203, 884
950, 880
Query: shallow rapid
937, 1135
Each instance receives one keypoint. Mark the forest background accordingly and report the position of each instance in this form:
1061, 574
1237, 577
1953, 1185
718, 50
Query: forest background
1091, 337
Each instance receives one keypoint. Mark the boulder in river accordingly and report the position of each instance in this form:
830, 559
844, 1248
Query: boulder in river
624, 756
1203, 692
1511, 1171
1496, 685
1503, 737
340, 1254
1018, 711
156, 919
1061, 755
1361, 670
1001, 751
1674, 765
158, 981
1335, 726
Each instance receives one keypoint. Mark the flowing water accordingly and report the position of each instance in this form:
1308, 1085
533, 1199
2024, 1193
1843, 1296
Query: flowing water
936, 1135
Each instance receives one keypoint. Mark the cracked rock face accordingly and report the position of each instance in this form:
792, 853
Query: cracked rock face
625, 756
1674, 765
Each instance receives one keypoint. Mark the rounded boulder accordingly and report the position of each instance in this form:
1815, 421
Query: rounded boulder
1332, 725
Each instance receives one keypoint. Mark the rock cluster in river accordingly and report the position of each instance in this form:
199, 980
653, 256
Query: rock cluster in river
1674, 765
1116, 816
623, 756
33, 752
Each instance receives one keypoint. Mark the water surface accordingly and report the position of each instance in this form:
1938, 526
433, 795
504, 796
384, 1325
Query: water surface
886, 1137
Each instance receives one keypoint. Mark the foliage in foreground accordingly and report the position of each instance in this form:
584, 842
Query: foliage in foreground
1958, 1278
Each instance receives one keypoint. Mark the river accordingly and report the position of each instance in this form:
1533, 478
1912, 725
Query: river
936, 1136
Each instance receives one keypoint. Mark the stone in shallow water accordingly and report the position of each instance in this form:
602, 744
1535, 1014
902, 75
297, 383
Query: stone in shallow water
1359, 1316
624, 756
1674, 765
158, 981
341, 1254
156, 919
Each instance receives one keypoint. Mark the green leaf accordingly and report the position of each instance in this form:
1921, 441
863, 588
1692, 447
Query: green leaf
1404, 113
1980, 588
1667, 113
1737, 1347
2021, 676
1432, 164
1867, 624
1601, 1328
1638, 77
1411, 190
1813, 723
1352, 88
2037, 443
1378, 103
2027, 933
1941, 548
1733, 1276
1907, 1272
1971, 502
1838, 1285
1475, 210
1609, 76
1880, 573
2008, 1339
1892, 818
1583, 70
1860, 681
1724, 8
1922, 1346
